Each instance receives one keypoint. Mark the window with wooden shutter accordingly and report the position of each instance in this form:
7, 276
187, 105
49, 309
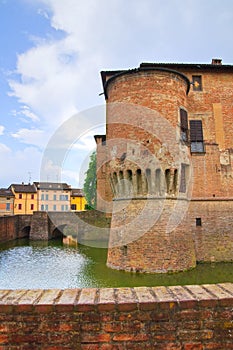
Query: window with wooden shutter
183, 125
196, 136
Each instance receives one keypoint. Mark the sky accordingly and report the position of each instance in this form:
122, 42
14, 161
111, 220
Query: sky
52, 53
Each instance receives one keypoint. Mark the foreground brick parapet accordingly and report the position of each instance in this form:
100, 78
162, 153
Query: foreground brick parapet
188, 317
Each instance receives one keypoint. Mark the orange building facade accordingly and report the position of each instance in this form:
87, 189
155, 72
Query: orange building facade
165, 165
25, 198
6, 202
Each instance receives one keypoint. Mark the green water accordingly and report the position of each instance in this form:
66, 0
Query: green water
30, 265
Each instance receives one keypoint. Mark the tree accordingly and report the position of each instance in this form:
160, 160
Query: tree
90, 182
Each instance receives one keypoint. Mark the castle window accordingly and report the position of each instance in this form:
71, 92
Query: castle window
139, 181
198, 222
168, 178
121, 177
125, 248
148, 182
183, 179
115, 178
183, 125
175, 180
197, 83
129, 175
196, 136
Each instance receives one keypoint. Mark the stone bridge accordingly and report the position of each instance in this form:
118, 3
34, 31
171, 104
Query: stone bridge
86, 226
14, 227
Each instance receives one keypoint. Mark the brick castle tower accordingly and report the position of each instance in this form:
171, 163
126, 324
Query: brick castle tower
164, 165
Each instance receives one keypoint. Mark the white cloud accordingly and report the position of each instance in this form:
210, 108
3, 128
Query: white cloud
18, 165
57, 78
2, 128
34, 137
23, 112
4, 149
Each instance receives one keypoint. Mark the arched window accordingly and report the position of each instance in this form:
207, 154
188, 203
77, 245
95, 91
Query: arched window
121, 184
168, 179
139, 181
148, 181
175, 178
129, 181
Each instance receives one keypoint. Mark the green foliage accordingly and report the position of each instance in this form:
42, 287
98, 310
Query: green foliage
90, 183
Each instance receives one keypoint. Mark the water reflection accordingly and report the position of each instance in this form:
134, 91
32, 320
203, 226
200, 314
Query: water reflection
25, 264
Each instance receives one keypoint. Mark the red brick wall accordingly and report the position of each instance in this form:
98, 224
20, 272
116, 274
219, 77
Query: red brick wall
161, 318
138, 104
140, 239
214, 239
7, 228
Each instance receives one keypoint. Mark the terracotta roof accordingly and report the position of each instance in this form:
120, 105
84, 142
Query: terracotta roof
24, 188
6, 192
107, 76
52, 186
77, 192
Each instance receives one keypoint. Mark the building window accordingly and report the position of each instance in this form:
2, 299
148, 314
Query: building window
8, 206
46, 197
42, 197
183, 125
20, 206
32, 196
62, 207
63, 197
196, 136
20, 196
54, 207
54, 197
32, 206
42, 207
73, 206
46, 207
197, 83
198, 222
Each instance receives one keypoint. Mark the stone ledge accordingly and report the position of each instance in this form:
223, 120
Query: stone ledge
122, 299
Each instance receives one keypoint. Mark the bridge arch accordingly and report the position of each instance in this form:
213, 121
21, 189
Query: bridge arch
65, 230
25, 231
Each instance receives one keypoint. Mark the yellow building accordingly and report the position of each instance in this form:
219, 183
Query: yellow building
77, 200
25, 198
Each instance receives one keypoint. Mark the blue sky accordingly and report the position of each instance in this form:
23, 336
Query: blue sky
52, 52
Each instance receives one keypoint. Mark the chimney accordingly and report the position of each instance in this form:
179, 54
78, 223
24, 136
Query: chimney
217, 61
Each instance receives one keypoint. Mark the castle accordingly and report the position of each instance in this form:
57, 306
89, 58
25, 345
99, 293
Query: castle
164, 167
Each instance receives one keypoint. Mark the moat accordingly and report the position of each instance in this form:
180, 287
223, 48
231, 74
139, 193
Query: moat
45, 265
